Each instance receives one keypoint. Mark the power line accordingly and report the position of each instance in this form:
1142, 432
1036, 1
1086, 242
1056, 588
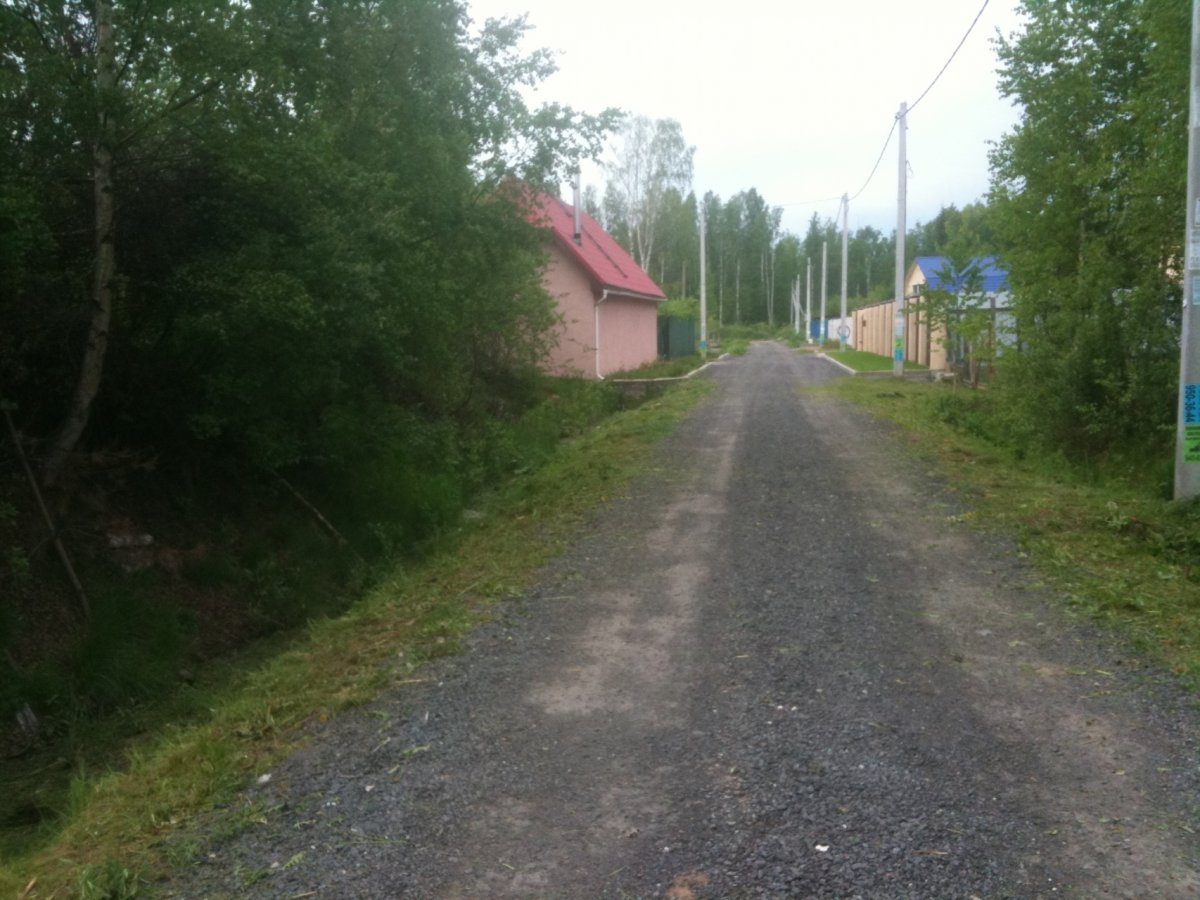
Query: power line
879, 158
913, 106
951, 59
941, 72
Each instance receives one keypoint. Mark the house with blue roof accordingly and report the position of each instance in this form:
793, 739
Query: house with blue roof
937, 271
928, 345
983, 285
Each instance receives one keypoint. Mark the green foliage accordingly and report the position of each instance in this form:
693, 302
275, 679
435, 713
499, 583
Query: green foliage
1086, 204
325, 280
564, 408
681, 308
650, 169
110, 880
953, 232
974, 413
131, 651
250, 711
312, 228
958, 308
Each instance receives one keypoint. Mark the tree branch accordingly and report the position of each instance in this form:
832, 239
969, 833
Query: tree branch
46, 517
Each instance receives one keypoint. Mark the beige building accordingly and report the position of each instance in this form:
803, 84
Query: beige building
874, 325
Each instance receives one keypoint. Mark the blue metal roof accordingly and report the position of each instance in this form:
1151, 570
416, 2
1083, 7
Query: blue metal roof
995, 279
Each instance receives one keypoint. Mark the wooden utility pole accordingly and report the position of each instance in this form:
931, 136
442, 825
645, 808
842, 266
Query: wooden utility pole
1187, 440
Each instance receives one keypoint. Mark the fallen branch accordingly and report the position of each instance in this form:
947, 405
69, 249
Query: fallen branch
54, 535
325, 523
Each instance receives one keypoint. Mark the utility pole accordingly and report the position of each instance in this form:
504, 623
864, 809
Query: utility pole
824, 291
843, 328
796, 304
808, 308
703, 291
796, 300
901, 199
1187, 441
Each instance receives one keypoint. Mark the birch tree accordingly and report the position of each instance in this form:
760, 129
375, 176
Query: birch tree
104, 231
650, 158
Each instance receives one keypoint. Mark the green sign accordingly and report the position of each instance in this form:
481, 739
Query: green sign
1191, 443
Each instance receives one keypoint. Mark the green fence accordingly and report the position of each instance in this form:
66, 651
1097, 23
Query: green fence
676, 337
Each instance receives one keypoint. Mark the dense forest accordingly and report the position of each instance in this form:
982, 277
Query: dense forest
269, 312
257, 259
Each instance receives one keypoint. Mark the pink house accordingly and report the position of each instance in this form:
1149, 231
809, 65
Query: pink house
608, 306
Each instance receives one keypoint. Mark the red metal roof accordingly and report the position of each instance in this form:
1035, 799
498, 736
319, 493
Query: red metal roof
605, 261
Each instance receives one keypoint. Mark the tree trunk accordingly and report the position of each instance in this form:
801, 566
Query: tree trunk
721, 290
737, 293
104, 272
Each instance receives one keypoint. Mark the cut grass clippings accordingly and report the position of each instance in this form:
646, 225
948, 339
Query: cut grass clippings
1108, 546
123, 825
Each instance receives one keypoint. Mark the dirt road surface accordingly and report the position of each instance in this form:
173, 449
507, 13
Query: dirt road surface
779, 667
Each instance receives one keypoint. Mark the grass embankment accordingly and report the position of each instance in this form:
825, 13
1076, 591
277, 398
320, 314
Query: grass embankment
664, 368
861, 361
122, 826
1105, 540
682, 365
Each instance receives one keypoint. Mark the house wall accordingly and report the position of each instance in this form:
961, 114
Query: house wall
930, 343
628, 333
628, 327
574, 352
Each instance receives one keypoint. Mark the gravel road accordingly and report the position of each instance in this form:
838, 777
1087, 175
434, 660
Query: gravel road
779, 667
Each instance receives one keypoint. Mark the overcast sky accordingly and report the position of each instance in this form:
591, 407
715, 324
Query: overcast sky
792, 97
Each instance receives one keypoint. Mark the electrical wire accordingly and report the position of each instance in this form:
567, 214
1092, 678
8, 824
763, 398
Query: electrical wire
940, 73
952, 55
879, 158
896, 118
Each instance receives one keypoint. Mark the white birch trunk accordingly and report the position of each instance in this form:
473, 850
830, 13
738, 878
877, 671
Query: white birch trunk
104, 271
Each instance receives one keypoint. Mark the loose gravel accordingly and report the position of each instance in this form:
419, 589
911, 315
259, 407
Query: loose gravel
780, 667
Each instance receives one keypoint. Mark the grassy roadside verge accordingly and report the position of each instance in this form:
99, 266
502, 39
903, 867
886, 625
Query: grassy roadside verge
125, 824
860, 361
1105, 542
664, 368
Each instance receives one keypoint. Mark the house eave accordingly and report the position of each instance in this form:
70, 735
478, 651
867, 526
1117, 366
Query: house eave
614, 291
